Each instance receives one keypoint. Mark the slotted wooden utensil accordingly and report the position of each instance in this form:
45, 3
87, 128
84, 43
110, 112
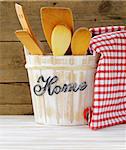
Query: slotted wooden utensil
26, 26
28, 42
80, 41
60, 40
52, 16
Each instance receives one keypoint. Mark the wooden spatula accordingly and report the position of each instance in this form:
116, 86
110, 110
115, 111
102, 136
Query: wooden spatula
80, 41
28, 42
60, 40
25, 24
52, 16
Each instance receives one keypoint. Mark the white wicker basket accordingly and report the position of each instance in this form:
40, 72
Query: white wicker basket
61, 87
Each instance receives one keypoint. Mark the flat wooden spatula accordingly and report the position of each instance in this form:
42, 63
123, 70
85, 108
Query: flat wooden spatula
28, 42
60, 40
53, 16
80, 41
25, 24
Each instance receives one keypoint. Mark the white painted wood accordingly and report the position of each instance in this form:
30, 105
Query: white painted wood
65, 108
21, 133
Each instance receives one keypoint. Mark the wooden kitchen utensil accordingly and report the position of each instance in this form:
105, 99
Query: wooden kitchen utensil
52, 16
28, 42
25, 25
60, 40
80, 41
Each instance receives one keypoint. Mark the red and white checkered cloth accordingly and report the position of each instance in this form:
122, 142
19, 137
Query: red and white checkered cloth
109, 106
102, 30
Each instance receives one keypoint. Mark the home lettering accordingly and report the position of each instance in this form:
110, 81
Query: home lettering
50, 85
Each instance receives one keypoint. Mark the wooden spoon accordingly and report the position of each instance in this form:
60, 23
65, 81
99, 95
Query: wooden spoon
80, 41
28, 42
60, 40
52, 16
25, 24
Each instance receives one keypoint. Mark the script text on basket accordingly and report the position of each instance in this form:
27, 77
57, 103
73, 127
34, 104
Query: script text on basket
51, 88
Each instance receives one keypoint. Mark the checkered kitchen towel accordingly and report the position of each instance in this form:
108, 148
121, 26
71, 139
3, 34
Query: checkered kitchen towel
109, 106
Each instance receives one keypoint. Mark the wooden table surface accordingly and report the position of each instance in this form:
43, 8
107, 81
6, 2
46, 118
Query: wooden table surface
21, 133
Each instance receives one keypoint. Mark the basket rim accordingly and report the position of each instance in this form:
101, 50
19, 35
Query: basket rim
49, 55
59, 57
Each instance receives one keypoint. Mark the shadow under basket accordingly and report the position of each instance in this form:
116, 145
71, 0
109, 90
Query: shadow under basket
61, 87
